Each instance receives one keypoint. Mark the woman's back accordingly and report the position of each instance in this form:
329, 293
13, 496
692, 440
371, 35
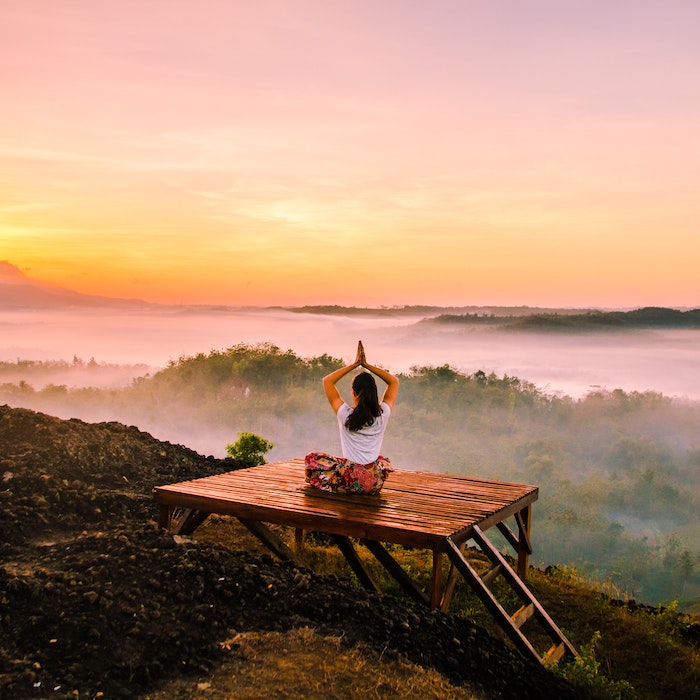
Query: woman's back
364, 445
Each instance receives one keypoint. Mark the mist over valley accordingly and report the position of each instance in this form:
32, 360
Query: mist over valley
666, 360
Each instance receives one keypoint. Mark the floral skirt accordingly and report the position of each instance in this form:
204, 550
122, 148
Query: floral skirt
340, 475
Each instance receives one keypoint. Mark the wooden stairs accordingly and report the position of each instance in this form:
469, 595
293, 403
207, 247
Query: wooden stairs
511, 623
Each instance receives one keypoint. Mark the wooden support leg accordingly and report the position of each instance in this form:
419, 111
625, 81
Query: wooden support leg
524, 520
298, 539
394, 568
188, 521
269, 539
345, 546
449, 589
164, 513
436, 588
452, 578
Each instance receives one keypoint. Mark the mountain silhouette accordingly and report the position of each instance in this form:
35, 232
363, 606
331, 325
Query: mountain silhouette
19, 291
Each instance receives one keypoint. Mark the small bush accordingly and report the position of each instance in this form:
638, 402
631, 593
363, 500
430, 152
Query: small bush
250, 448
583, 672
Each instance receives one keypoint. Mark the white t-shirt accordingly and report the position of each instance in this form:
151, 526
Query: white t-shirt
362, 446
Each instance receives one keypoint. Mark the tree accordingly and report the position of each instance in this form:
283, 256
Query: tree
249, 448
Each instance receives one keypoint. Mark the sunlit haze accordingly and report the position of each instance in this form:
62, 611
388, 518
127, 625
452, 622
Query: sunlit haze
368, 153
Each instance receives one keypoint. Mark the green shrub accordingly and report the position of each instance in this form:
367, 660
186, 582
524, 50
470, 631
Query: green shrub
583, 672
250, 448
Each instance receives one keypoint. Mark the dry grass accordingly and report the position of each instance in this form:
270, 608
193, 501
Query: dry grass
301, 664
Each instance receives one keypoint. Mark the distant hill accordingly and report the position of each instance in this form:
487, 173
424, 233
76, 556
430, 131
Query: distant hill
481, 312
18, 291
648, 317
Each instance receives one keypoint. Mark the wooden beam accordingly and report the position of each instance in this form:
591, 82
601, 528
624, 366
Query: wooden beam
356, 564
272, 541
489, 576
189, 521
394, 568
524, 520
436, 585
513, 541
164, 512
452, 578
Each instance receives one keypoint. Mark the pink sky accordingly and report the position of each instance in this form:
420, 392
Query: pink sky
365, 152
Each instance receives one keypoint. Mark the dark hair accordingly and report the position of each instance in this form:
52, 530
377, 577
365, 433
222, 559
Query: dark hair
367, 408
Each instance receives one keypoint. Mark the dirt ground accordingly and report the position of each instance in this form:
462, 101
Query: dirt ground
96, 602
302, 664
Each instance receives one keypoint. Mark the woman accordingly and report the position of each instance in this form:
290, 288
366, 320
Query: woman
361, 469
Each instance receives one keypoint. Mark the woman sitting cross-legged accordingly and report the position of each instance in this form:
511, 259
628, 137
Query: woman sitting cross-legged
361, 469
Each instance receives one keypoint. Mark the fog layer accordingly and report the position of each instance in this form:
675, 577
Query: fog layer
572, 364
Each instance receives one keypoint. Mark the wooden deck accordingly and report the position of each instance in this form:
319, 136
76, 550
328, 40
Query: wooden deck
440, 512
417, 509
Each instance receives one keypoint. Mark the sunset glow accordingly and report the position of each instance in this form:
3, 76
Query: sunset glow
368, 153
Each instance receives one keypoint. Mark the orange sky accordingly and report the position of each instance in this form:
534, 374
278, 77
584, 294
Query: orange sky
392, 152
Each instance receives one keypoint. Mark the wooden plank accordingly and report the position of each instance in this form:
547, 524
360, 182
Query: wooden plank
554, 653
523, 614
489, 576
415, 483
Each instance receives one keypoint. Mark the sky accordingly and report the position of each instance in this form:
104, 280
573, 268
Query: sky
359, 152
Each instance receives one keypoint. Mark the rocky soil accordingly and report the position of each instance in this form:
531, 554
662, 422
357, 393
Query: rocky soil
95, 601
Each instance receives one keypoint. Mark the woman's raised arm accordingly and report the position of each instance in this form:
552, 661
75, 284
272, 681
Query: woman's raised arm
392, 382
330, 381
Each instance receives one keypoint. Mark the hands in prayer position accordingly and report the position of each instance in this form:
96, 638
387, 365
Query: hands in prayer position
330, 380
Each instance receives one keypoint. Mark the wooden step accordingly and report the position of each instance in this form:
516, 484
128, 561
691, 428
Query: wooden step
490, 575
555, 652
522, 615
